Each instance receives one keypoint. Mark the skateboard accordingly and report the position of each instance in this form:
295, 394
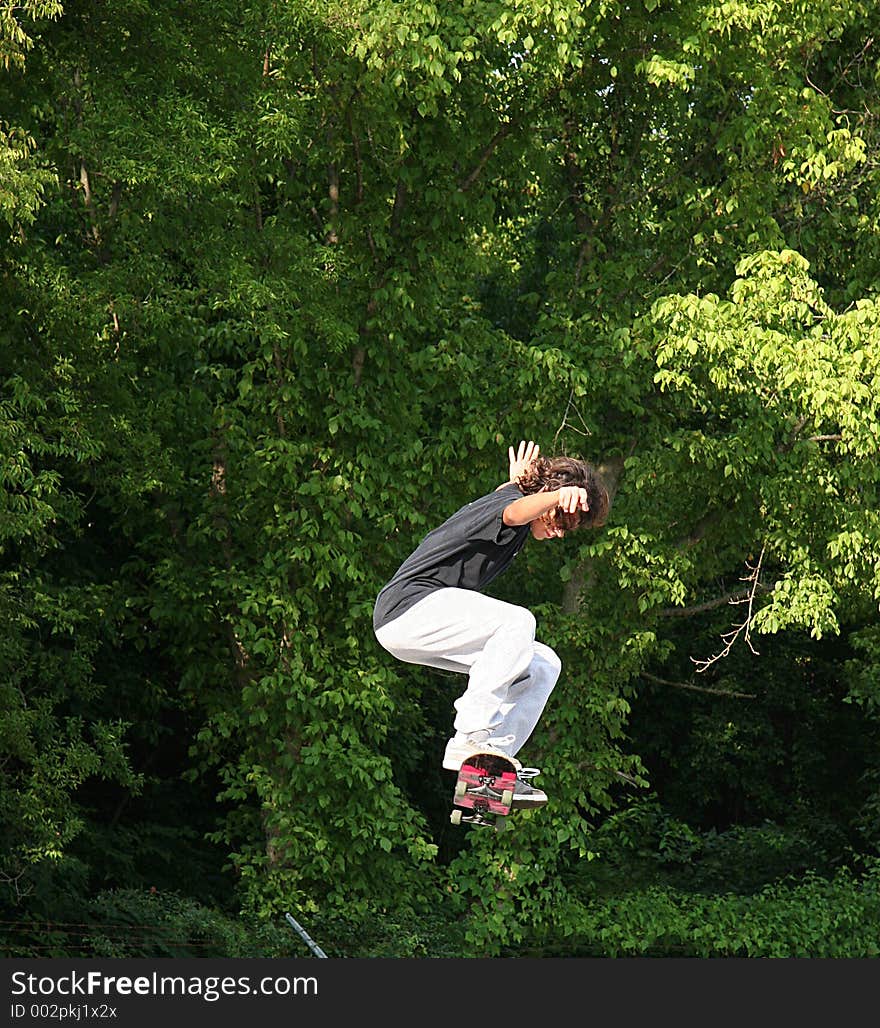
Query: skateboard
484, 789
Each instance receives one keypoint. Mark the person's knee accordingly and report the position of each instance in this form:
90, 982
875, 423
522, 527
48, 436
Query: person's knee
394, 641
523, 622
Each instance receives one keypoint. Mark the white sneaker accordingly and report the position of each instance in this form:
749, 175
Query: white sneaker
526, 796
458, 751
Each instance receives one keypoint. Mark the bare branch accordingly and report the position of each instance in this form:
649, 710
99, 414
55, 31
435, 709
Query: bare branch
588, 766
698, 688
744, 628
570, 406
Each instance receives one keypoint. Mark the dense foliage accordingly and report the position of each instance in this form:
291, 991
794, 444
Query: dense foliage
280, 284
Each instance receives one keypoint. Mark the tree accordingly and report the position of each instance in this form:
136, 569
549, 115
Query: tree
302, 275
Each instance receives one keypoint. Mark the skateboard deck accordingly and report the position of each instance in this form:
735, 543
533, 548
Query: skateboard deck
484, 790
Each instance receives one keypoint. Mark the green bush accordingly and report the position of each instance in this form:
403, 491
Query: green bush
837, 917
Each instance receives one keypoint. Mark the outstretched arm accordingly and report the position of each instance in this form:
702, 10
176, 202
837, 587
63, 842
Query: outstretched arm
524, 510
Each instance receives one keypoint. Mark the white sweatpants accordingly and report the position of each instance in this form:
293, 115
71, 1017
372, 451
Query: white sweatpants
510, 675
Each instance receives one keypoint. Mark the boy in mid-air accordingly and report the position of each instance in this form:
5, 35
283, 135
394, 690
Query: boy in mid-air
434, 612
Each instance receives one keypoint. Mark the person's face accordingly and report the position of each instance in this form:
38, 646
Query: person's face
547, 526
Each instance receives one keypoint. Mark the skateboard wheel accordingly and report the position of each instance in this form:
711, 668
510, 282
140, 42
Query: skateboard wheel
507, 797
455, 817
460, 788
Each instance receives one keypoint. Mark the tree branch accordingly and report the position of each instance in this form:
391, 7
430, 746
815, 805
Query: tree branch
486, 153
697, 688
744, 628
701, 608
398, 208
505, 131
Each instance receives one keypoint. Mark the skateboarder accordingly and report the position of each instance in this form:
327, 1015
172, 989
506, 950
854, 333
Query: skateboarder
434, 612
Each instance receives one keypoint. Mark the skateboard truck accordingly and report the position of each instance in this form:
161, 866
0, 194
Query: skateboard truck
485, 788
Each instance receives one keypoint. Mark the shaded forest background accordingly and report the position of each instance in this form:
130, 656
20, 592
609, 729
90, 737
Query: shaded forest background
281, 282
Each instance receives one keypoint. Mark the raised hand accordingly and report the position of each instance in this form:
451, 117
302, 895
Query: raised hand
523, 458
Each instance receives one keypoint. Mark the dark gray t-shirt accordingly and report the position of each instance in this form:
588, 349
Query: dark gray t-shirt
466, 552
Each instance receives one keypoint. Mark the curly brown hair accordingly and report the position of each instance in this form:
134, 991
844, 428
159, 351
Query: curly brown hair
549, 473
